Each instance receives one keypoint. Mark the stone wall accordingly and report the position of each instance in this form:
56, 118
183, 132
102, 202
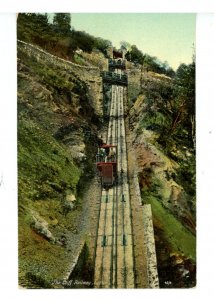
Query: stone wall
145, 234
144, 242
89, 74
149, 242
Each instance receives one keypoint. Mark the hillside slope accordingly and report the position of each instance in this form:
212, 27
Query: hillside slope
57, 139
166, 173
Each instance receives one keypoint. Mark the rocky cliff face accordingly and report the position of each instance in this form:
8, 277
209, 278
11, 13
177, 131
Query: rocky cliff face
59, 109
162, 184
90, 75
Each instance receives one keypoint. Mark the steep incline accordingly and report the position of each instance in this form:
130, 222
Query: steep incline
58, 119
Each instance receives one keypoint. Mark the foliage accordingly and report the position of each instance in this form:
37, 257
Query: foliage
62, 23
173, 241
57, 38
169, 111
31, 27
125, 45
174, 231
36, 268
83, 40
148, 62
185, 95
135, 55
45, 167
155, 65
186, 177
47, 99
102, 45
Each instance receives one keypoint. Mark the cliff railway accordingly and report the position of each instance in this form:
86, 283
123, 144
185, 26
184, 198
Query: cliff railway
125, 249
125, 255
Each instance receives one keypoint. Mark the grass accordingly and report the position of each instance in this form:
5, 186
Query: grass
179, 238
45, 167
46, 172
36, 268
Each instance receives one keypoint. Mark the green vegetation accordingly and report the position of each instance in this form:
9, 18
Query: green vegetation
175, 244
54, 114
167, 118
62, 23
57, 38
46, 173
40, 262
148, 62
180, 110
169, 111
178, 238
45, 166
135, 55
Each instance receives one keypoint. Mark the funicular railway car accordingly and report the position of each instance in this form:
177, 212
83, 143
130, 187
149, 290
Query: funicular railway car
106, 162
117, 54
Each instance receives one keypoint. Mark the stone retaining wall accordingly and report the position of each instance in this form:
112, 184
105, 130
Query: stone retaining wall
144, 242
147, 235
74, 262
150, 246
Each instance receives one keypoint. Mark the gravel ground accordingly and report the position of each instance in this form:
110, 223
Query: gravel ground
86, 228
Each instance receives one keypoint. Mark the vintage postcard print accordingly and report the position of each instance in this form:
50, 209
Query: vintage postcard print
106, 150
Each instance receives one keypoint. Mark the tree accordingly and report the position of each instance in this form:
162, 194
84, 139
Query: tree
25, 25
126, 45
42, 22
83, 40
185, 91
34, 28
135, 55
102, 45
62, 23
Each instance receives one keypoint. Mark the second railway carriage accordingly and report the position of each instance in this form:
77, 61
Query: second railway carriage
117, 54
106, 162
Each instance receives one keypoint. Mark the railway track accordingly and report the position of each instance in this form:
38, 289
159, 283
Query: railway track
114, 263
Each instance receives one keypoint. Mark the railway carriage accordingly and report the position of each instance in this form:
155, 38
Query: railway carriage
106, 162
